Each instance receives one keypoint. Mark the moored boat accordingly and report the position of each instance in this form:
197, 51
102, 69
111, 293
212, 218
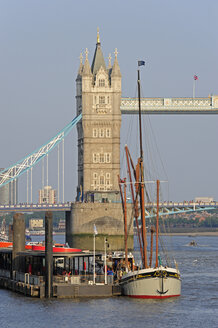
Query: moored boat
150, 281
160, 282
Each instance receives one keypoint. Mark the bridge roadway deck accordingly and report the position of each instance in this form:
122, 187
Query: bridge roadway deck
67, 206
207, 105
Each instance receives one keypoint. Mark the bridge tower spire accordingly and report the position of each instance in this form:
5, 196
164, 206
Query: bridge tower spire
98, 98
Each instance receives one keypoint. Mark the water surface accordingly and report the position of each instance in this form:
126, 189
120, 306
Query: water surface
197, 307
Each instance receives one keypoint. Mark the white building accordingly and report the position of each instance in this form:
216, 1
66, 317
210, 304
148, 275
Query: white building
62, 225
203, 199
9, 193
47, 195
35, 223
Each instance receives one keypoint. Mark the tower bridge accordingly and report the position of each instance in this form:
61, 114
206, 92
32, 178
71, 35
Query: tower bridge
99, 107
164, 106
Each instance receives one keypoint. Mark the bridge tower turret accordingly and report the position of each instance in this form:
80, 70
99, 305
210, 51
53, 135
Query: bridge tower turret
99, 98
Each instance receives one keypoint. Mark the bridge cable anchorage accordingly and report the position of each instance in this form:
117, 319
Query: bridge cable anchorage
14, 171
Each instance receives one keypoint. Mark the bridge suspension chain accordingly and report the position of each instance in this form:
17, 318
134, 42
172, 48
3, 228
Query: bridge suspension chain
14, 171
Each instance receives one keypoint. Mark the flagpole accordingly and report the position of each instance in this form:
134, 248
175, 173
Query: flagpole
194, 88
195, 79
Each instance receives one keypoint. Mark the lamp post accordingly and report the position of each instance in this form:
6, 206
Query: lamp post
105, 260
94, 234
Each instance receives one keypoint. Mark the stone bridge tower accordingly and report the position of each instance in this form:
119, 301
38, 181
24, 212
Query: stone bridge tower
98, 97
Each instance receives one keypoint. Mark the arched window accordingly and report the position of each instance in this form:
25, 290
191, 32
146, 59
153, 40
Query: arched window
95, 133
107, 157
95, 158
108, 133
101, 158
101, 133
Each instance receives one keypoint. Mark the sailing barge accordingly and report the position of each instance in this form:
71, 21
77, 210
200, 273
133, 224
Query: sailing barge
156, 281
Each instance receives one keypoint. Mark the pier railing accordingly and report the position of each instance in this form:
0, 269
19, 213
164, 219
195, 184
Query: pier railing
83, 279
27, 278
86, 279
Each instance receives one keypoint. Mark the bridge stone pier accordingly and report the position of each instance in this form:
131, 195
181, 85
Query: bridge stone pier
108, 219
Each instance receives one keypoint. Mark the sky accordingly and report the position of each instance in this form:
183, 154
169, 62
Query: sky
40, 46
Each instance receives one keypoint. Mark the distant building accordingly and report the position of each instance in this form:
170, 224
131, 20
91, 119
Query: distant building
47, 195
203, 199
61, 225
35, 224
9, 193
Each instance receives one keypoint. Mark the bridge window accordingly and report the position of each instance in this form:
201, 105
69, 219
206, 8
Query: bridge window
107, 175
95, 175
95, 158
101, 158
101, 83
101, 100
107, 157
95, 133
101, 133
101, 180
108, 133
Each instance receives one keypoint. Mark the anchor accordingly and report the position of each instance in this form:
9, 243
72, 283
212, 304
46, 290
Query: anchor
162, 288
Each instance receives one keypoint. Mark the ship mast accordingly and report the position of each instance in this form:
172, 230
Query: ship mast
142, 193
157, 221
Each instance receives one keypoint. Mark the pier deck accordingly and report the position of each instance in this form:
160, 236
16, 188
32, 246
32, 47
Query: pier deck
61, 290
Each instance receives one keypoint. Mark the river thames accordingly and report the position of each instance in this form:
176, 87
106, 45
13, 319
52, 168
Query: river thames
197, 306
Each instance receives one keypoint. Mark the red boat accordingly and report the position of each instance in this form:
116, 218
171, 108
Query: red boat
4, 244
56, 249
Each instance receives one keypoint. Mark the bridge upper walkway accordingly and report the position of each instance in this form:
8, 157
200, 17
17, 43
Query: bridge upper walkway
167, 207
207, 105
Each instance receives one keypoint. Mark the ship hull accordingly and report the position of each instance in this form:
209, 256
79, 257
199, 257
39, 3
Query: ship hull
154, 283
